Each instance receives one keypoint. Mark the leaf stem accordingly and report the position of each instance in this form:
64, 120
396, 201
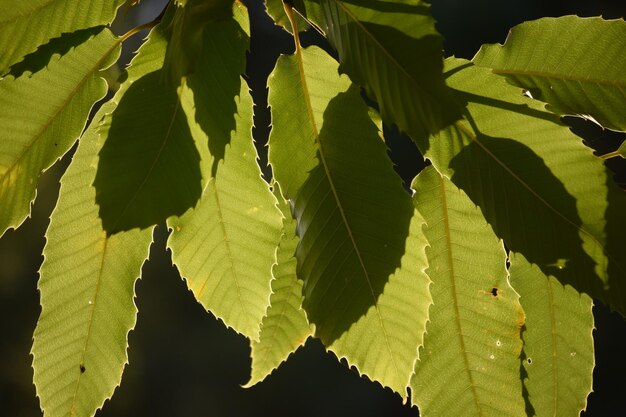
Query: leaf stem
294, 25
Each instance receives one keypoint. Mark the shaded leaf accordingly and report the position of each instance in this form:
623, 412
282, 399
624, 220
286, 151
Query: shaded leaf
148, 167
226, 42
24, 25
191, 17
87, 291
391, 48
285, 326
473, 342
353, 220
576, 64
558, 342
300, 88
539, 187
43, 115
225, 247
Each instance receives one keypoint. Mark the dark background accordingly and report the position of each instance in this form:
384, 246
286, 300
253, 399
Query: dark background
183, 362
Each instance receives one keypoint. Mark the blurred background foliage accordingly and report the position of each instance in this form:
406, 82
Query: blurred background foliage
183, 362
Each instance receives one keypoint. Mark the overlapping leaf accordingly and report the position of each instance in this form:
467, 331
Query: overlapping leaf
353, 220
87, 282
148, 167
24, 25
576, 64
391, 48
558, 344
285, 326
538, 186
42, 115
190, 20
225, 246
469, 364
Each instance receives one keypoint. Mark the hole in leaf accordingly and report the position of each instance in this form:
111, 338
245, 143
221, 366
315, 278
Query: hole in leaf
82, 368
494, 291
529, 360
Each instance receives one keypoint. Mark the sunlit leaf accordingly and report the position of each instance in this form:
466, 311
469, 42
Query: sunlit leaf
539, 187
225, 247
87, 296
353, 220
469, 364
42, 115
576, 64
24, 25
558, 344
285, 326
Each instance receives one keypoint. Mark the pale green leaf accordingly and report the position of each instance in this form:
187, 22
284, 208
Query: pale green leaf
469, 365
285, 326
353, 220
87, 281
24, 25
391, 48
300, 88
558, 341
575, 64
225, 246
42, 115
539, 187
87, 295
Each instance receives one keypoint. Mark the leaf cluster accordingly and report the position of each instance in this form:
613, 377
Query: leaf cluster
470, 294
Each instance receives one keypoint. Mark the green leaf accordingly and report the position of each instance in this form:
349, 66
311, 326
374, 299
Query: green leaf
42, 116
353, 220
300, 88
391, 48
225, 247
148, 167
24, 25
473, 342
226, 42
191, 17
285, 326
539, 187
558, 341
575, 64
87, 295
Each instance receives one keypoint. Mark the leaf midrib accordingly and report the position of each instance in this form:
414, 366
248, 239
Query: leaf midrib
384, 51
340, 208
560, 76
61, 109
470, 134
455, 298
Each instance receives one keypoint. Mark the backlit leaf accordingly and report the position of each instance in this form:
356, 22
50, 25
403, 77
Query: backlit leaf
285, 326
391, 48
558, 344
575, 64
353, 220
87, 296
539, 187
469, 364
42, 115
24, 25
225, 246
